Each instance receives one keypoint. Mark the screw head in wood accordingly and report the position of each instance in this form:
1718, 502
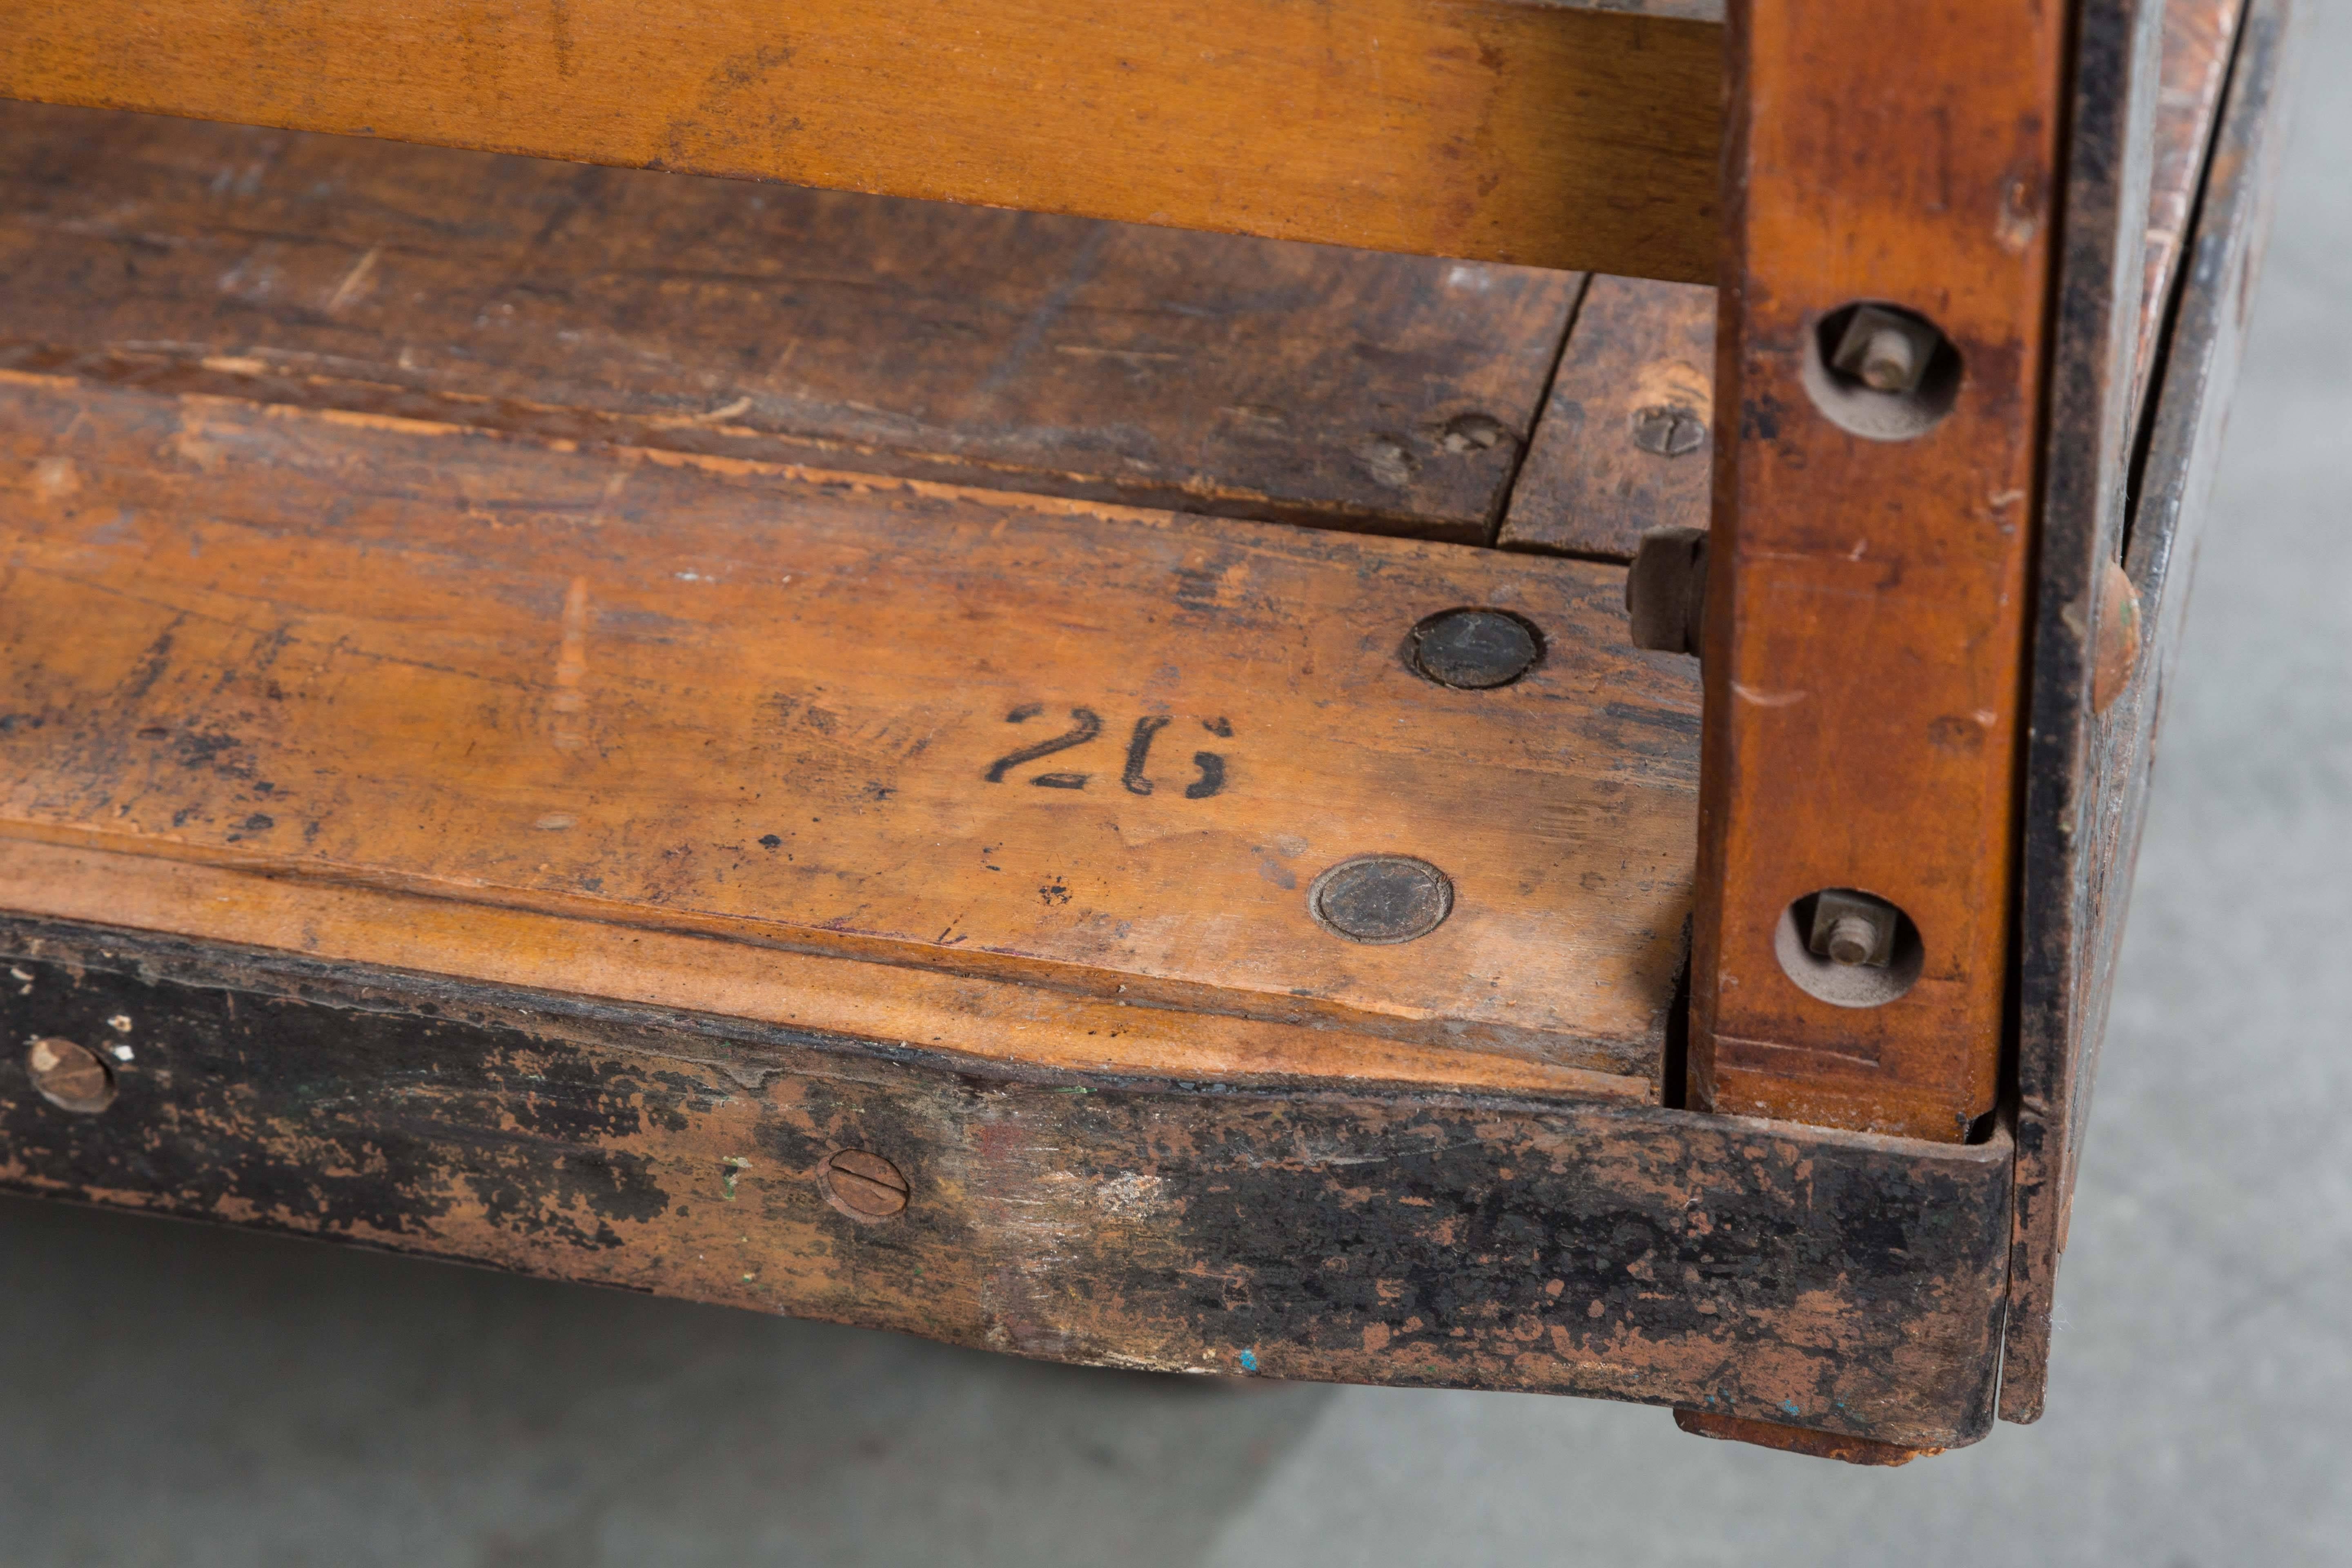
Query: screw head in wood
1381, 899
1473, 649
866, 1187
68, 1076
1667, 431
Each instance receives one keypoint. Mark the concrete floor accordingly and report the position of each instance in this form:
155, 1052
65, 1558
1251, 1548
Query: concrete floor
175, 1395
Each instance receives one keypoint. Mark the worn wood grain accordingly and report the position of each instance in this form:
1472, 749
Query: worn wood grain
2088, 780
1866, 598
1841, 1281
1555, 135
691, 693
1055, 355
1624, 444
2200, 37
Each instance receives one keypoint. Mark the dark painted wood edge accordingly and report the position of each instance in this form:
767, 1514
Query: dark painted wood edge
2088, 779
1838, 1281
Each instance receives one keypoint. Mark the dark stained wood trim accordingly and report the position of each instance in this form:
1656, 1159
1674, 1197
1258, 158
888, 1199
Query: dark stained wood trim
2087, 788
1838, 1281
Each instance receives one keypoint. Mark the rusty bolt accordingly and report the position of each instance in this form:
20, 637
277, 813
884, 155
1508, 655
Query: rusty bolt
1665, 591
866, 1187
69, 1076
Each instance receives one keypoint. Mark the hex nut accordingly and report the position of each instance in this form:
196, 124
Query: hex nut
866, 1187
68, 1076
1666, 590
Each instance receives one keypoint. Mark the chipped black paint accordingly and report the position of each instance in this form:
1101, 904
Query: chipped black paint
1840, 1281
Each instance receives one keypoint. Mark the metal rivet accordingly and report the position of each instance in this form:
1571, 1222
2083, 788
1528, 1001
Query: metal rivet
2114, 655
1667, 431
1473, 649
866, 1187
69, 1076
1381, 899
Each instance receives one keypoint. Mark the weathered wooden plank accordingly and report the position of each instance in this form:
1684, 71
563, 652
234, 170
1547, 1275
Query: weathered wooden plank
2087, 782
1847, 1282
1624, 444
1055, 355
814, 711
1867, 579
1555, 135
2199, 39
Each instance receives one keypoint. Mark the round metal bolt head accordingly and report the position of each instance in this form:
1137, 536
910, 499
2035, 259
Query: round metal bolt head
1381, 899
866, 1187
1473, 650
69, 1076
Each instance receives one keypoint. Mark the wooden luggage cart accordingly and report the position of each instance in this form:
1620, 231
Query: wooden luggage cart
1090, 789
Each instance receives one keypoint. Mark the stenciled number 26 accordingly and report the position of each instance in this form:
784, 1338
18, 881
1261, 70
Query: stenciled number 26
1086, 724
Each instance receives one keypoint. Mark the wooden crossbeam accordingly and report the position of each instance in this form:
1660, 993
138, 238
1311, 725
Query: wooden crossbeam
1557, 135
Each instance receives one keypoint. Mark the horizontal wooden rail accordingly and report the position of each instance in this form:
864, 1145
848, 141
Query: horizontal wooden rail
1555, 135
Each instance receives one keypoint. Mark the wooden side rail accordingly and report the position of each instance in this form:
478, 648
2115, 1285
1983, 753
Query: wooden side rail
1557, 135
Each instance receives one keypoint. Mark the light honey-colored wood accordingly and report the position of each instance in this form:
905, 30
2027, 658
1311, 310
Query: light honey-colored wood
1557, 135
660, 692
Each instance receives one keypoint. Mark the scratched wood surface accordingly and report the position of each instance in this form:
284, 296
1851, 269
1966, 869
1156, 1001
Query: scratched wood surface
1866, 598
1631, 1252
1624, 444
2199, 39
951, 730
1549, 134
1202, 372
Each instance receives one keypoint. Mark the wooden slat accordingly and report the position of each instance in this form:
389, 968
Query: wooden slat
1062, 356
1625, 443
1425, 1239
1866, 598
2200, 36
1555, 135
2088, 783
701, 695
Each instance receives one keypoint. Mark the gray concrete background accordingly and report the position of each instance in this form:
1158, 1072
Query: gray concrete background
174, 1395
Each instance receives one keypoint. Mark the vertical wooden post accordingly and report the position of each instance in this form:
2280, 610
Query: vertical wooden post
1872, 532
